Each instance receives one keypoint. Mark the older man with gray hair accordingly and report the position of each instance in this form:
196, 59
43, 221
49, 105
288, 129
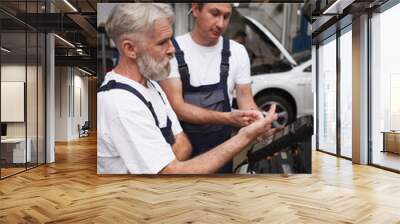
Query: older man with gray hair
138, 132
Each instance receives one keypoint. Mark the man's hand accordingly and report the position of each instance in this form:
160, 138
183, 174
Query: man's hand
242, 118
261, 126
182, 147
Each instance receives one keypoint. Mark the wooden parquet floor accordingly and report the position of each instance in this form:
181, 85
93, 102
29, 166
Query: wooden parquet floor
70, 191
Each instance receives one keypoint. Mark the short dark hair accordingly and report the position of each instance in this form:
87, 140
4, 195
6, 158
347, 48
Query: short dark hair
201, 5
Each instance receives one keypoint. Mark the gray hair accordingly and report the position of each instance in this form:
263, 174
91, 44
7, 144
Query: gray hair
136, 18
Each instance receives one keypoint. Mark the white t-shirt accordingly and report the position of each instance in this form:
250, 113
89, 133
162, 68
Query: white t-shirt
204, 63
128, 140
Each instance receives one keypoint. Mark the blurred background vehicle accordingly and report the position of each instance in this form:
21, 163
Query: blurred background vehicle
277, 78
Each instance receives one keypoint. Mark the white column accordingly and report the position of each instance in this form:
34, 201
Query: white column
314, 91
50, 92
360, 90
50, 99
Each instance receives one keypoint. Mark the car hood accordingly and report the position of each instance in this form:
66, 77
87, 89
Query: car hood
262, 30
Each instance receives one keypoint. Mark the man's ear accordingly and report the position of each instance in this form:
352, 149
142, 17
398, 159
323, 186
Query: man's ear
129, 48
195, 10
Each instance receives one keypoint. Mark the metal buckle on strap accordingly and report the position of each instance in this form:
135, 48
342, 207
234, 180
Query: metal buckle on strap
224, 68
183, 68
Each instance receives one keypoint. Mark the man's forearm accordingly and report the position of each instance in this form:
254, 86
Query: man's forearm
197, 115
248, 105
245, 97
212, 160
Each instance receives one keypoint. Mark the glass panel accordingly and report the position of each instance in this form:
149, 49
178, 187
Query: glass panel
76, 121
14, 154
346, 94
327, 97
41, 98
22, 77
16, 8
31, 97
13, 87
32, 87
385, 84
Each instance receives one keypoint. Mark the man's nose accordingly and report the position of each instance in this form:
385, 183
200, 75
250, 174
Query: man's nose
171, 49
220, 22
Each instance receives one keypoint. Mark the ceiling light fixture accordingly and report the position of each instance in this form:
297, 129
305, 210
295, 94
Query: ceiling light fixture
331, 7
80, 51
64, 40
70, 5
5, 50
337, 7
84, 71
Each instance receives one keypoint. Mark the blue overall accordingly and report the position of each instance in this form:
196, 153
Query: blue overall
213, 97
166, 131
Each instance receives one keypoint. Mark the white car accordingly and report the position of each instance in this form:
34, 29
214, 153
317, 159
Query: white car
290, 91
276, 76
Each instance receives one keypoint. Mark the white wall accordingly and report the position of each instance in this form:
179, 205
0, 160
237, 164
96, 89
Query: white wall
71, 102
79, 117
14, 73
17, 72
33, 125
61, 103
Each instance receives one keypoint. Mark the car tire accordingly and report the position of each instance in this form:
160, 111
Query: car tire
284, 109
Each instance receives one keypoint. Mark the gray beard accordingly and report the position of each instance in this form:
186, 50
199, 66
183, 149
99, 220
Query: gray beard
151, 69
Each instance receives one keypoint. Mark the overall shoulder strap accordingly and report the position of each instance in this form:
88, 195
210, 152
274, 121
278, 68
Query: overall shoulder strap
182, 66
224, 72
118, 85
225, 54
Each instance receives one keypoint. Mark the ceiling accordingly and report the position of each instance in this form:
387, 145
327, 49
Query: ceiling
72, 20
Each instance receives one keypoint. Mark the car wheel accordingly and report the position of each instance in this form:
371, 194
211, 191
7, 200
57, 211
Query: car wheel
284, 109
